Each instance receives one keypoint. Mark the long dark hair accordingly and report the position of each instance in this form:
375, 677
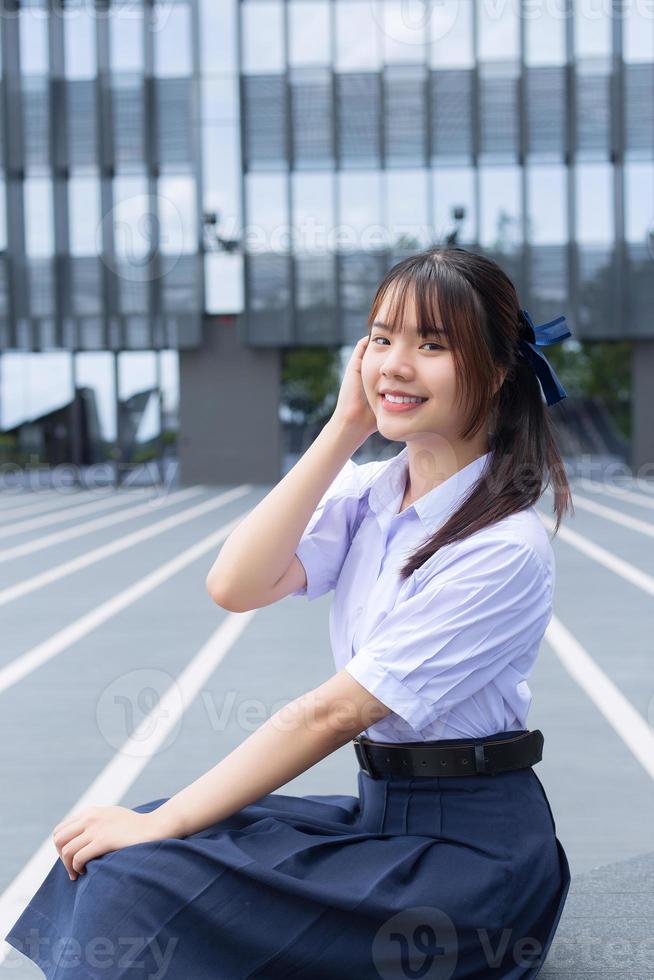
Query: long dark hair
480, 313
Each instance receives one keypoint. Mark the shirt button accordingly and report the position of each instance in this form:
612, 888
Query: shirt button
358, 610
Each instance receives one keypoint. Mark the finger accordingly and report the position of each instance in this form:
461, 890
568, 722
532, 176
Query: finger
74, 818
67, 833
69, 851
92, 850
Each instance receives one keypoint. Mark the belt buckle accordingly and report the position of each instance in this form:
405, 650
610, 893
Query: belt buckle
480, 758
364, 762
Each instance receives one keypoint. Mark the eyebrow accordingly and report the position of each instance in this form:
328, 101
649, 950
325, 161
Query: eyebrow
435, 330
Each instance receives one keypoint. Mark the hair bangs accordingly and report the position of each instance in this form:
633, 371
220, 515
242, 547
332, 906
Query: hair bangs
414, 287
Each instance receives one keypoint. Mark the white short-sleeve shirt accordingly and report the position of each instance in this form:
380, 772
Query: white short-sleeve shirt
449, 648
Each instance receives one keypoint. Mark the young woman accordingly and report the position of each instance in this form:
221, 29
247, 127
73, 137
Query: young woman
447, 863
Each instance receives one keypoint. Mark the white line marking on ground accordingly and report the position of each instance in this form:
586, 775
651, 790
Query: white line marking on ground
70, 533
9, 514
629, 724
24, 498
119, 774
39, 581
611, 514
24, 664
602, 556
62, 514
628, 496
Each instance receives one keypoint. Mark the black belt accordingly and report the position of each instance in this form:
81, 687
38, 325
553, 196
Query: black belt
462, 757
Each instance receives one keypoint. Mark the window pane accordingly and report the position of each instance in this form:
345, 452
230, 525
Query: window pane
132, 217
309, 32
594, 204
266, 213
638, 33
639, 202
177, 215
172, 39
358, 117
358, 44
546, 205
263, 36
126, 38
454, 189
500, 225
407, 211
222, 177
39, 230
545, 91
33, 384
313, 212
593, 108
404, 30
544, 35
169, 373
84, 215
33, 32
592, 28
96, 372
498, 31
450, 29
223, 281
311, 117
452, 92
499, 111
359, 202
3, 215
137, 375
79, 41
218, 35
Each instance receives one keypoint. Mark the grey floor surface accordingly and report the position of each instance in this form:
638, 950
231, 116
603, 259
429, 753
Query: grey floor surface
62, 723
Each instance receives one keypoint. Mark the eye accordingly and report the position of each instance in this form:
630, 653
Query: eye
429, 343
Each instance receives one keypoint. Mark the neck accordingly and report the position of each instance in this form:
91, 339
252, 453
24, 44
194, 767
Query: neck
431, 462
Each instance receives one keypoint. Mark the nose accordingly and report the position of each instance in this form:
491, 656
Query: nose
396, 364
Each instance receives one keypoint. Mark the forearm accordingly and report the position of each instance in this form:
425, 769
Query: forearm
290, 742
272, 530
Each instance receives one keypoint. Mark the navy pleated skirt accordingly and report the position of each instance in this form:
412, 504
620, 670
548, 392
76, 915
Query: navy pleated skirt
429, 877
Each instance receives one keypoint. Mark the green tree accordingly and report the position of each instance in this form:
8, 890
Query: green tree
599, 369
310, 381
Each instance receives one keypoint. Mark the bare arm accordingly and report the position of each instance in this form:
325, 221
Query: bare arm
261, 547
290, 742
259, 550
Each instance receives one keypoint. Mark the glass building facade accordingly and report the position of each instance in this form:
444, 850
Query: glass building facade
165, 161
100, 182
366, 124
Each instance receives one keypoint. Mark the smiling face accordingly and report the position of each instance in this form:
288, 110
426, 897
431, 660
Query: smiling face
402, 360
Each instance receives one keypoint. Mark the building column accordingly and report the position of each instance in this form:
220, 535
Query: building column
229, 426
642, 406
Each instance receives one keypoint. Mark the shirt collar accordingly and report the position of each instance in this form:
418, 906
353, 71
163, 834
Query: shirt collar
387, 490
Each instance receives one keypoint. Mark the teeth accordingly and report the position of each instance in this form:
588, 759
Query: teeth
400, 399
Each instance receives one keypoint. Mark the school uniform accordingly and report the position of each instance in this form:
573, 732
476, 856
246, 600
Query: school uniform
428, 876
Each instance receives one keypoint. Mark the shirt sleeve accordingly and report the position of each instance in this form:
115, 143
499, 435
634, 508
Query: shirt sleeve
328, 535
456, 634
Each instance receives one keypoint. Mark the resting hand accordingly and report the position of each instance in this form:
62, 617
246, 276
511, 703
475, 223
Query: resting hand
99, 829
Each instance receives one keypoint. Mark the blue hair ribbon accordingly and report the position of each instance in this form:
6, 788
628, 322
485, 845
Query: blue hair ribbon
542, 335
